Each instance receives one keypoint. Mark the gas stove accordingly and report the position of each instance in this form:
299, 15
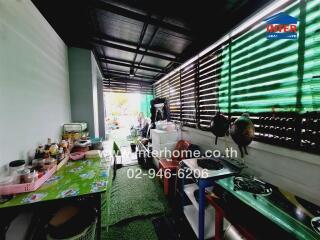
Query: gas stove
214, 168
315, 223
252, 185
276, 204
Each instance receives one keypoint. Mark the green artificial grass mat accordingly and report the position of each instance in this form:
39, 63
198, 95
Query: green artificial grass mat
135, 197
128, 210
141, 229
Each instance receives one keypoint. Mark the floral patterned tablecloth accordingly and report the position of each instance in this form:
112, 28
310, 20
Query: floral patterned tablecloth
76, 178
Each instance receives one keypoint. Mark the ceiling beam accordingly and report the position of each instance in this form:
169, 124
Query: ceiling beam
102, 58
149, 43
128, 49
142, 34
126, 78
122, 83
121, 73
108, 38
140, 17
144, 83
134, 66
122, 76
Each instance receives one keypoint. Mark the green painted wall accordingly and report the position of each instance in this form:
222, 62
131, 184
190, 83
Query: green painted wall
84, 89
101, 107
145, 104
34, 80
81, 87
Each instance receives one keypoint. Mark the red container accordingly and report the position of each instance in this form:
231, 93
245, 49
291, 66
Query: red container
76, 155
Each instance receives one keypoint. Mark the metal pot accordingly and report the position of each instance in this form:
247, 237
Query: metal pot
219, 126
242, 132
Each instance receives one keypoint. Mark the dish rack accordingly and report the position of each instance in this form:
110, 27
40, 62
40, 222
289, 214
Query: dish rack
27, 187
74, 131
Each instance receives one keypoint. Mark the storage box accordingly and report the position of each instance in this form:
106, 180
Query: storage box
27, 187
161, 137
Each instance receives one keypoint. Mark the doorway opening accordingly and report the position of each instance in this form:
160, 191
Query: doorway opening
126, 115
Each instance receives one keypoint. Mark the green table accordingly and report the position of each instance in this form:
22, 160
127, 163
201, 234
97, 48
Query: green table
77, 179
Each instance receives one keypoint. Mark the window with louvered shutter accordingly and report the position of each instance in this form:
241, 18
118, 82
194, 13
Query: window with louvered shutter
276, 81
188, 95
310, 100
165, 89
208, 80
264, 72
175, 101
157, 90
162, 89
261, 79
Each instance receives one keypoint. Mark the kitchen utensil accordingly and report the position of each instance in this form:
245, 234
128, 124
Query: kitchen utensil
49, 163
64, 144
53, 150
31, 177
36, 163
39, 152
23, 174
27, 175
219, 126
242, 132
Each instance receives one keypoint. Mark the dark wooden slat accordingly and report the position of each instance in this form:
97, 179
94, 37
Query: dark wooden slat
139, 17
134, 66
128, 49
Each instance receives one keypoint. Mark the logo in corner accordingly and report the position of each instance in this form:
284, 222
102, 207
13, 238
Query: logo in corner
281, 26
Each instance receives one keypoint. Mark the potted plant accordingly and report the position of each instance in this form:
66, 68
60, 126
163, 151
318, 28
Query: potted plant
133, 145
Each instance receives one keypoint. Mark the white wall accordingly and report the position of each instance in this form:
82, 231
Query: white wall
292, 170
34, 80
